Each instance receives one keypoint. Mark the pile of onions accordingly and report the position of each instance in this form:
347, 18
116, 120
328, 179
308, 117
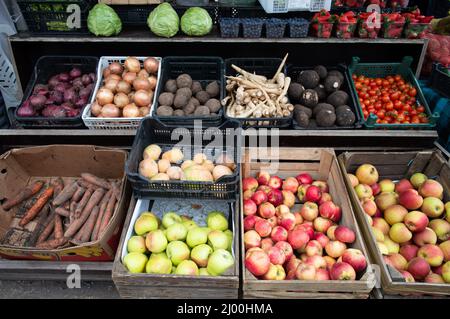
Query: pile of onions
127, 90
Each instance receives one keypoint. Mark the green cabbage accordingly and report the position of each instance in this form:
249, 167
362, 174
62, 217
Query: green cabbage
104, 21
164, 21
196, 21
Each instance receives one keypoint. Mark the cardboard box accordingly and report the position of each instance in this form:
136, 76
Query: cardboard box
19, 167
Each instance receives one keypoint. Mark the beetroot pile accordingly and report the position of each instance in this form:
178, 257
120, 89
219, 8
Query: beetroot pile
64, 95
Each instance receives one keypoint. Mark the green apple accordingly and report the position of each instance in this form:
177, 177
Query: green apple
187, 267
176, 232
136, 244
200, 254
171, 218
135, 262
189, 224
203, 272
418, 179
217, 221
219, 261
196, 236
229, 234
159, 264
218, 240
151, 214
145, 224
174, 269
177, 251
156, 241
447, 211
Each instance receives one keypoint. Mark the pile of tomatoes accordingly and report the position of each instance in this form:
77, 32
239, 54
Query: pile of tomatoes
391, 99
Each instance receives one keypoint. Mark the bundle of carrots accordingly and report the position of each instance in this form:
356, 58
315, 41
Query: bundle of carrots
68, 214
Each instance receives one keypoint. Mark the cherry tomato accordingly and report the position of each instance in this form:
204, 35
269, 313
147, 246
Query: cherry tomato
381, 114
420, 109
397, 77
379, 81
395, 96
389, 106
412, 92
386, 83
385, 99
398, 105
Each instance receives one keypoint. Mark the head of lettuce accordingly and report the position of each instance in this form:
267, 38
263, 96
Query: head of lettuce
196, 22
104, 21
164, 21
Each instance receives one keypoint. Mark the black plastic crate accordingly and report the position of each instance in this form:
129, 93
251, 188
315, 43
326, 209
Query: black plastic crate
152, 131
440, 79
202, 69
46, 67
261, 66
49, 17
4, 121
294, 71
133, 15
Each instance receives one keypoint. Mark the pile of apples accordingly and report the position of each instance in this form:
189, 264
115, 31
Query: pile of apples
307, 244
177, 245
409, 221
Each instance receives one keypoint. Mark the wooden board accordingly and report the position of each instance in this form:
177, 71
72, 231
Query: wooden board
429, 162
321, 164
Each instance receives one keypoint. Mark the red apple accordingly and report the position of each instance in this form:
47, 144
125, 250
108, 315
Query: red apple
432, 254
369, 206
263, 178
298, 218
305, 272
342, 271
397, 261
330, 261
287, 220
355, 258
376, 189
313, 247
281, 209
279, 234
363, 191
330, 232
409, 251
367, 174
384, 200
290, 184
408, 277
335, 248
266, 244
275, 272
259, 197
292, 264
427, 236
249, 183
286, 247
434, 279
291, 275
250, 207
306, 227
432, 207
248, 194
445, 247
353, 180
317, 261
263, 227
301, 192
304, 178
313, 194
249, 222
403, 185
273, 221
257, 262
322, 224
275, 197
344, 234
309, 211
322, 185
395, 214
265, 188
381, 224
410, 199
288, 198
431, 188
321, 238
275, 182
331, 211
322, 274
418, 268
251, 239
276, 255
266, 210
326, 197
416, 221
297, 238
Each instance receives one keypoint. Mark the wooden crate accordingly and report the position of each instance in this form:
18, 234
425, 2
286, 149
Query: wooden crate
321, 164
395, 166
153, 286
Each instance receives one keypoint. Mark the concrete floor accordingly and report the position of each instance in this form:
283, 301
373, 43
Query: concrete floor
56, 290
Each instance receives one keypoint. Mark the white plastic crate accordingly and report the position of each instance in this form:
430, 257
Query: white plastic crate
281, 6
115, 123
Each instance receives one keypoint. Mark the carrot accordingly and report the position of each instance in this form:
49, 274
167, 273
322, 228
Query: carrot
58, 186
65, 194
108, 214
115, 187
66, 205
101, 212
78, 194
86, 185
36, 208
62, 212
72, 208
96, 180
52, 244
26, 193
50, 222
86, 230
58, 227
93, 201
41, 223
87, 195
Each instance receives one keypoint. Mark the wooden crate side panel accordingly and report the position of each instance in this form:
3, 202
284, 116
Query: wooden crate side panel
168, 292
259, 294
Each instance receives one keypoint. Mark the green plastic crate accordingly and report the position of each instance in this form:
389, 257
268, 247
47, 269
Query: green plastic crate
382, 70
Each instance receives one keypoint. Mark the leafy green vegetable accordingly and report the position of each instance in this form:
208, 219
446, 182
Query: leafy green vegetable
196, 22
104, 21
164, 20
